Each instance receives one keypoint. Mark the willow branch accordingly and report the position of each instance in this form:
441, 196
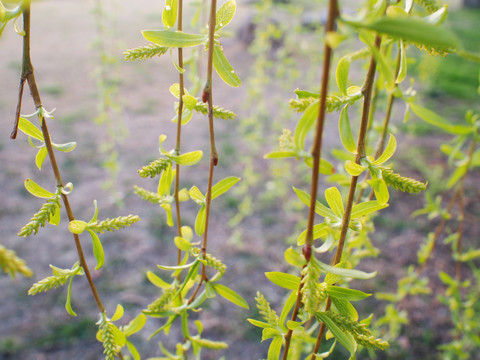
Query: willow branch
316, 154
29, 76
367, 97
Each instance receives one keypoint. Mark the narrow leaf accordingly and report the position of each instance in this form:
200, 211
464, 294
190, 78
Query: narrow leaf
97, 249
157, 281
225, 14
349, 273
230, 295
345, 130
343, 68
169, 15
388, 152
119, 311
200, 221
320, 209
36, 190
346, 339
177, 267
366, 208
223, 68
334, 200
304, 125
275, 348
29, 129
319, 231
40, 157
223, 186
173, 38
77, 226
435, 119
284, 280
345, 293
353, 168
188, 159
68, 303
402, 72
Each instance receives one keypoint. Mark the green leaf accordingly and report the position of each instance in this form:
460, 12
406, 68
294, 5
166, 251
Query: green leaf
68, 303
343, 68
414, 30
345, 308
95, 213
346, 339
402, 71
77, 226
348, 273
260, 324
319, 231
366, 208
157, 281
225, 14
196, 195
294, 258
223, 186
188, 159
353, 168
97, 249
325, 168
275, 348
280, 154
292, 298
118, 313
345, 130
304, 125
223, 68
133, 350
388, 152
457, 175
334, 200
169, 15
320, 209
384, 68
36, 190
40, 157
178, 267
29, 129
435, 119
284, 280
230, 295
345, 293
200, 221
182, 243
381, 190
189, 101
165, 181
173, 38
67, 147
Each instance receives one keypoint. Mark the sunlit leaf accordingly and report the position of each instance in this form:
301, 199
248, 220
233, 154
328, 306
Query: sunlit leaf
343, 68
345, 130
284, 280
230, 295
223, 68
36, 190
173, 38
169, 14
225, 14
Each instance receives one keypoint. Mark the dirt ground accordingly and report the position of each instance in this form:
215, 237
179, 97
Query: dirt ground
38, 328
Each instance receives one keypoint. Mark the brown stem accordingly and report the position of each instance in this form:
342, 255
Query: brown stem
367, 96
179, 130
316, 155
27, 71
213, 151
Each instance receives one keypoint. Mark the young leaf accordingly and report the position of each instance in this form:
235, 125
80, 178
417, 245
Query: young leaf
173, 38
133, 350
230, 295
319, 231
348, 273
287, 307
40, 157
118, 313
414, 30
343, 68
366, 208
353, 168
169, 15
320, 209
345, 308
388, 152
68, 302
346, 339
97, 249
182, 243
435, 119
334, 200
384, 68
225, 14
36, 190
223, 186
305, 124
275, 348
29, 129
67, 147
381, 190
286, 281
294, 258
345, 293
188, 159
345, 130
196, 195
200, 221
157, 281
223, 68
178, 267
402, 72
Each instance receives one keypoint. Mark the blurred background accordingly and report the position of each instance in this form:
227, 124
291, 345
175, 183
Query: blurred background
115, 110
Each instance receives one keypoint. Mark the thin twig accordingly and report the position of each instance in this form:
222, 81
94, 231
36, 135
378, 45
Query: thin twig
367, 96
316, 154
